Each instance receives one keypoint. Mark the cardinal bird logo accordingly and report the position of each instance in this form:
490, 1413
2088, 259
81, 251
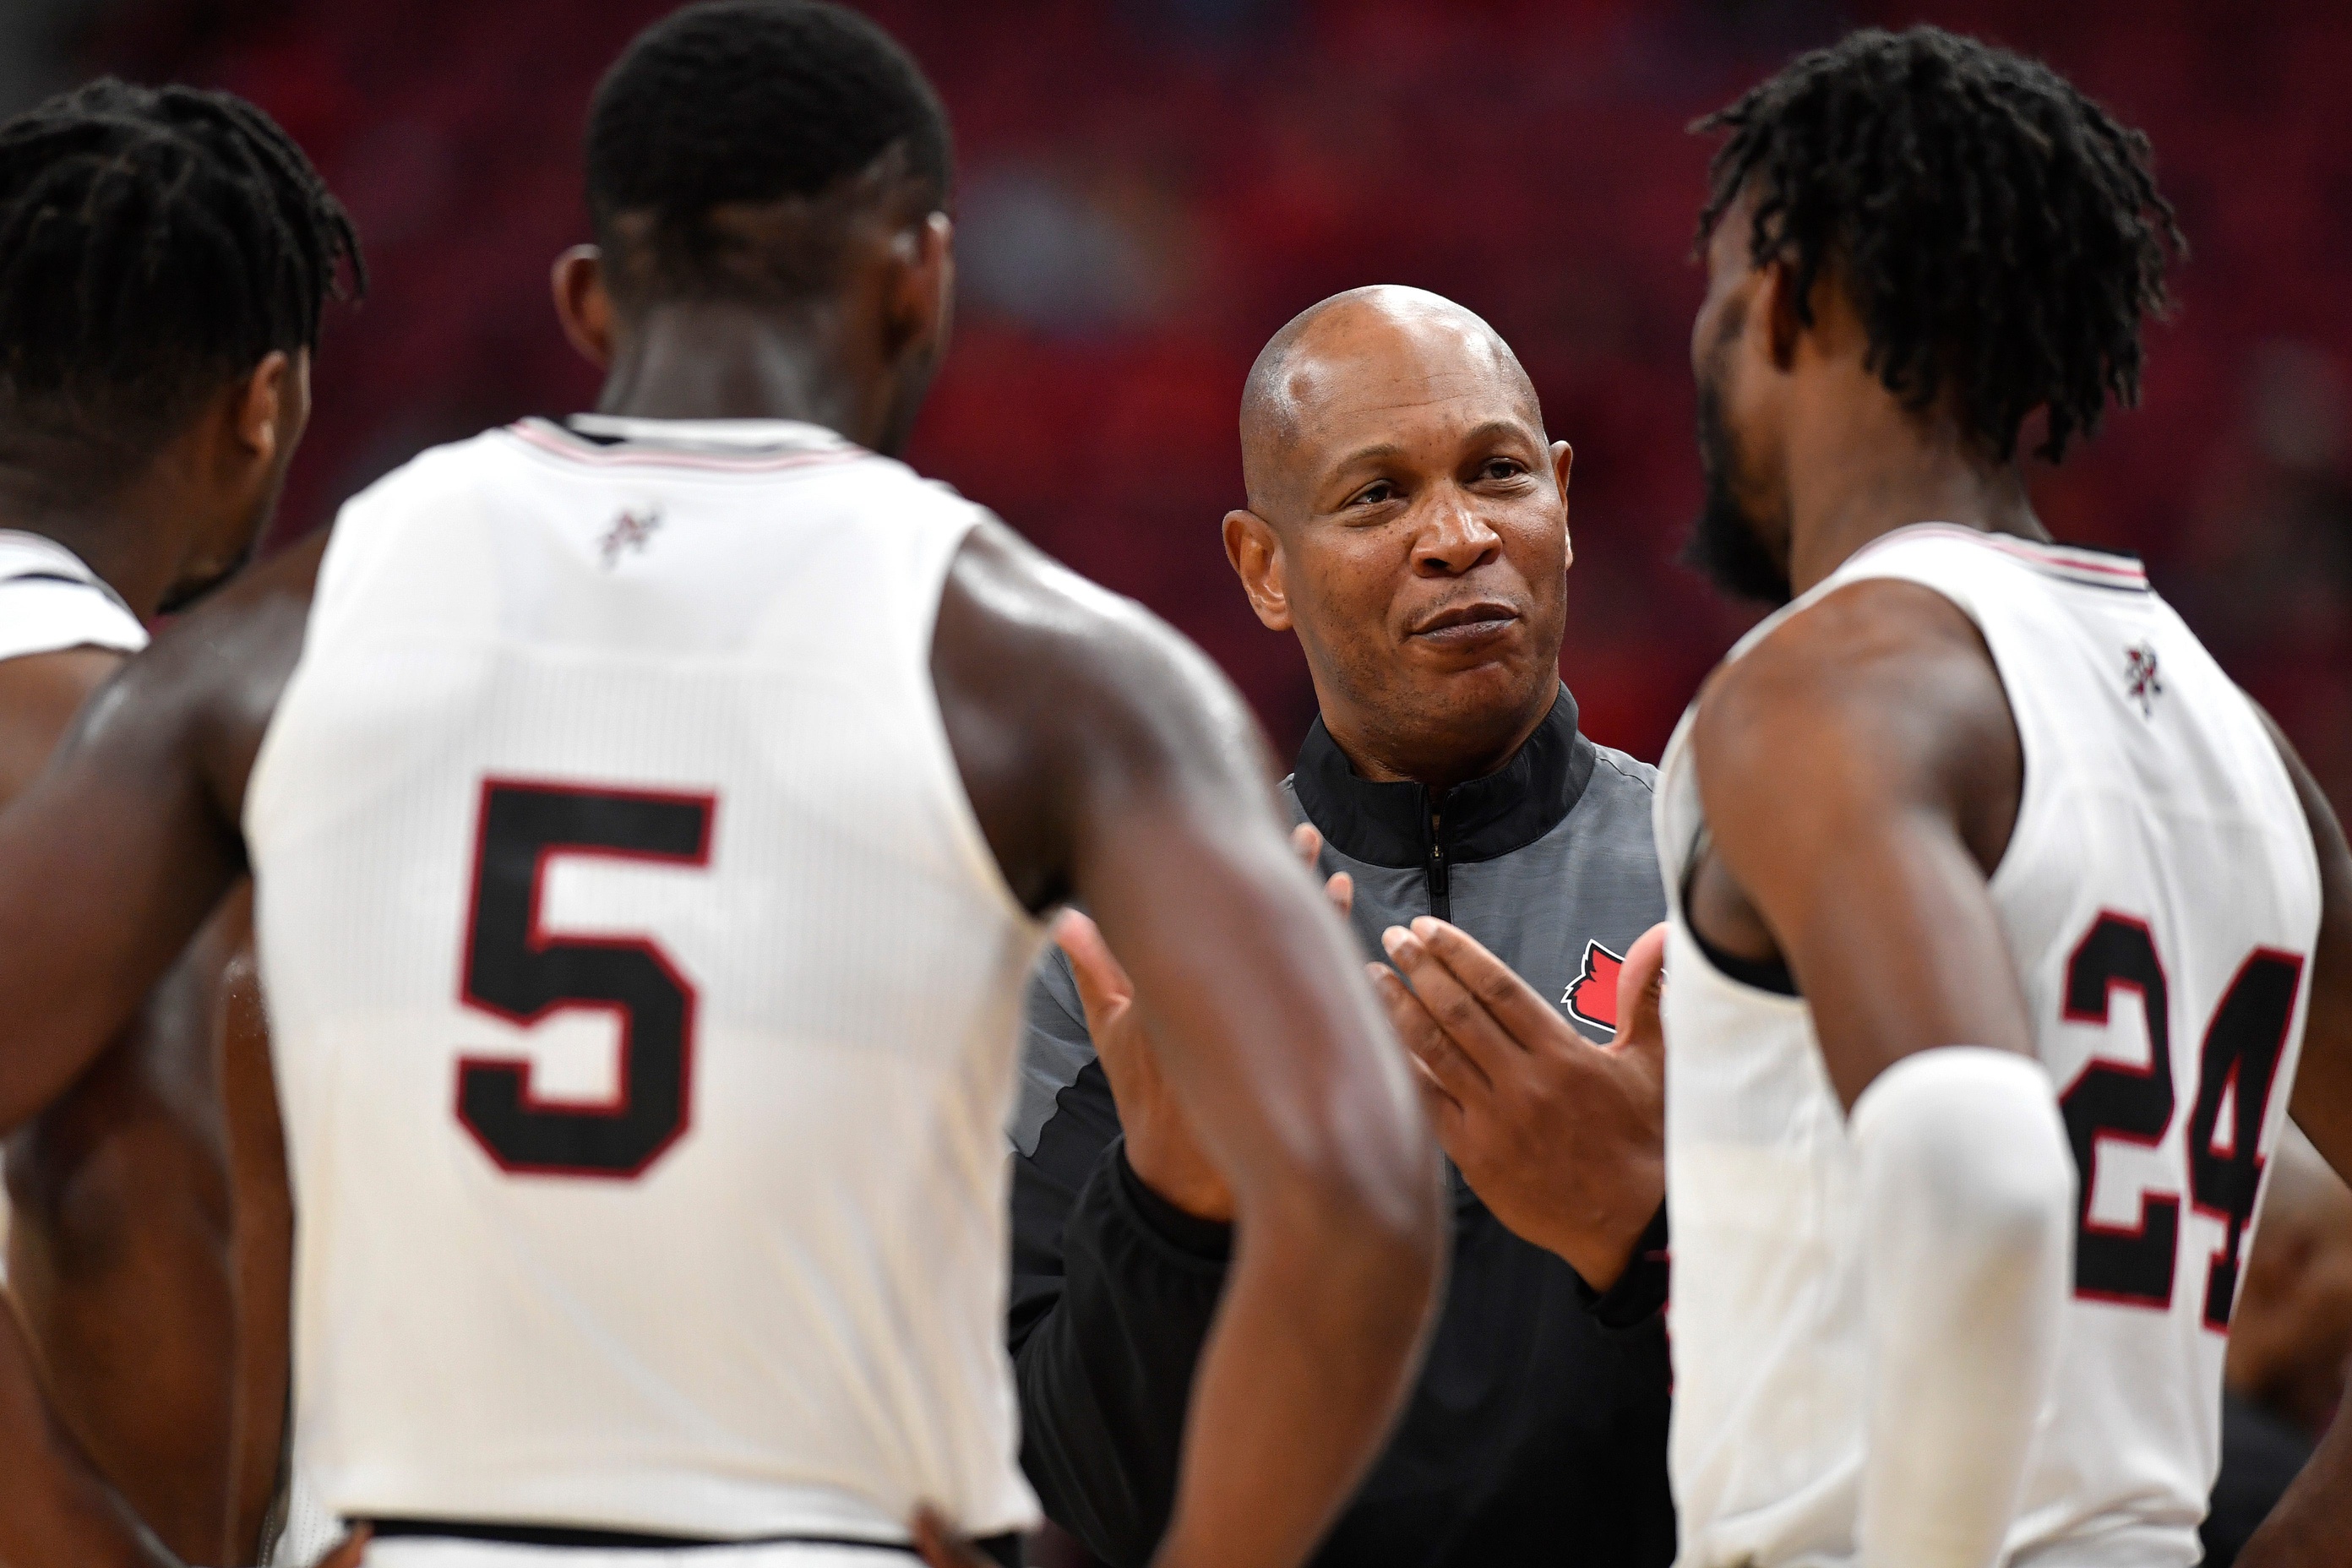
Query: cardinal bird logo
1592, 997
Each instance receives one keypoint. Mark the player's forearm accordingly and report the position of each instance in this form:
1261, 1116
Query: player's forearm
1269, 1033
54, 1506
1967, 1191
1314, 1351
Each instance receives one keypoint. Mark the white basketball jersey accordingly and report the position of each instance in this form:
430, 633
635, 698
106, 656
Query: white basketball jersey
50, 602
2160, 898
643, 994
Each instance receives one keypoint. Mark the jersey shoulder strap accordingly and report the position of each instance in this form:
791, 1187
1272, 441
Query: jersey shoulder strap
50, 601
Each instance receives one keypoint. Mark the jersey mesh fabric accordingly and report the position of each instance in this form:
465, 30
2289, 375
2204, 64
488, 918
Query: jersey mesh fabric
612, 752
2155, 811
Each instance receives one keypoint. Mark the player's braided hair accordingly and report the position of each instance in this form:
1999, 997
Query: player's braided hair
1991, 224
751, 102
155, 245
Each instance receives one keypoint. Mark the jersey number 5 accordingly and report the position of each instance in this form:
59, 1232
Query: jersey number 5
520, 973
2237, 1063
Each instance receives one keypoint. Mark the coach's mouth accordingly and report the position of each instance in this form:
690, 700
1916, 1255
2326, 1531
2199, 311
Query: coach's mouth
1467, 626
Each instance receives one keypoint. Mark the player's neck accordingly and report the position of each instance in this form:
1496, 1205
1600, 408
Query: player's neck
1853, 480
716, 360
116, 536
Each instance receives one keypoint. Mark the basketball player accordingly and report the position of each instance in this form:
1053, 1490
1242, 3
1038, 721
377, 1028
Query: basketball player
650, 817
164, 256
1980, 873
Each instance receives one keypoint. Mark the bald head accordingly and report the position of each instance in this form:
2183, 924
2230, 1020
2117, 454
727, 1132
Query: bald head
1383, 346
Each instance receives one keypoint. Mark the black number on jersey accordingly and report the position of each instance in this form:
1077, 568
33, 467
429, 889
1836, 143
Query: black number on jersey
2238, 1064
522, 973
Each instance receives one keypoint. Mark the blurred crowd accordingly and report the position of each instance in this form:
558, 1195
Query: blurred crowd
1149, 187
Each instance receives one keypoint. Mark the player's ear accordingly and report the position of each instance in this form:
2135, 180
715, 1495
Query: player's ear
584, 304
1255, 551
921, 301
267, 412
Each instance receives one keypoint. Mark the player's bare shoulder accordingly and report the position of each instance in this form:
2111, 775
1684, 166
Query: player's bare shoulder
1880, 687
1054, 691
201, 697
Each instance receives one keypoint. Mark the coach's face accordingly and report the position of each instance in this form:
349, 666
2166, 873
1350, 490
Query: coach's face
1409, 520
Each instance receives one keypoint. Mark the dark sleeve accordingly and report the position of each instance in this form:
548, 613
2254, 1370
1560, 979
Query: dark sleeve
1113, 1292
1639, 1293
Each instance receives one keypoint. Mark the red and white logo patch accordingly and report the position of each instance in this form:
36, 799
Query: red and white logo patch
1591, 997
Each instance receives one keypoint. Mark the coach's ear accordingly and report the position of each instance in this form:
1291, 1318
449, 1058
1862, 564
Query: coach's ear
584, 304
1255, 551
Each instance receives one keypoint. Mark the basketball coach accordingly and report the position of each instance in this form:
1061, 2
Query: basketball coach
1408, 520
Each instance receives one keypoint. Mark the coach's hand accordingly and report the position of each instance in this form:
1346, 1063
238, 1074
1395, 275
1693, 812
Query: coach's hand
1160, 1147
1563, 1140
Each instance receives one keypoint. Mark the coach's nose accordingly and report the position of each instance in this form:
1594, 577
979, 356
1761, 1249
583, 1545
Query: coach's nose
1455, 539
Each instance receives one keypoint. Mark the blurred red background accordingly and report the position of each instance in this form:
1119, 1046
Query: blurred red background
1147, 189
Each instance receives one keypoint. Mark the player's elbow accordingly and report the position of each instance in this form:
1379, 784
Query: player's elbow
1964, 1150
1365, 1202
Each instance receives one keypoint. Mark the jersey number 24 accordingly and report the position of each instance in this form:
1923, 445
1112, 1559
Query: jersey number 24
2237, 1065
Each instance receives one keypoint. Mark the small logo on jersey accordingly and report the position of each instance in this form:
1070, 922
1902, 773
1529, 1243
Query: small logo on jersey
2139, 679
1591, 998
632, 531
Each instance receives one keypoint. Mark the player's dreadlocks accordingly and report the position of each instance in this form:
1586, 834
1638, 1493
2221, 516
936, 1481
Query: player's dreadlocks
155, 245
750, 101
1990, 223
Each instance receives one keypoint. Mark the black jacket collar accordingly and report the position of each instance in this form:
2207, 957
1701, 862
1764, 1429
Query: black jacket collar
1389, 824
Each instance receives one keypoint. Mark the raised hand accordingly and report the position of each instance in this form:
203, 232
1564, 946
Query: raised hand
1340, 886
1563, 1140
1160, 1145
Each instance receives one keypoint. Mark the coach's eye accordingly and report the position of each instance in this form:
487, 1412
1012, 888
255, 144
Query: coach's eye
1502, 468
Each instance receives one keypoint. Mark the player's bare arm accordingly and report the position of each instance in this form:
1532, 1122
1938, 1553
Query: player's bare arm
2313, 1523
53, 1505
119, 852
1109, 761
1861, 772
1861, 775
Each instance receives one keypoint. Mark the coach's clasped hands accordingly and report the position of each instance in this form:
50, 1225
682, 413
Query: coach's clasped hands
1563, 1140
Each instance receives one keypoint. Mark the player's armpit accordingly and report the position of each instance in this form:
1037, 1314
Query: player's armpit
1106, 757
1859, 771
2322, 1084
113, 858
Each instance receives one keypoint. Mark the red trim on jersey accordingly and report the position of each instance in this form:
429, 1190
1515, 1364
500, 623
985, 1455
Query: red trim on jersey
2151, 1201
2102, 571
617, 1104
536, 433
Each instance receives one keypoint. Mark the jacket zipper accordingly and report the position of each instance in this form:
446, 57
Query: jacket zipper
1441, 899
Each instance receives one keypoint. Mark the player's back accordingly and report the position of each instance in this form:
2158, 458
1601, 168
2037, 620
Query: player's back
2160, 895
642, 995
